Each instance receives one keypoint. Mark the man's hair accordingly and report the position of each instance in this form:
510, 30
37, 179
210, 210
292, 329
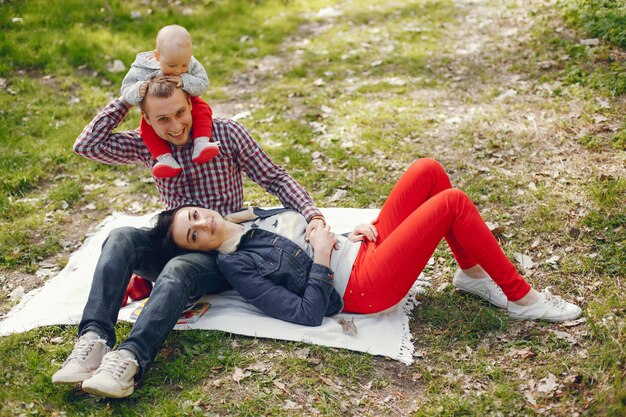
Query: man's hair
159, 87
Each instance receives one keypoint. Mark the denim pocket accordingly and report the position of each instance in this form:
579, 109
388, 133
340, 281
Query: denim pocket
271, 263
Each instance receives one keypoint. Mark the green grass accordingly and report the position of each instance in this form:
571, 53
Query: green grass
545, 163
604, 19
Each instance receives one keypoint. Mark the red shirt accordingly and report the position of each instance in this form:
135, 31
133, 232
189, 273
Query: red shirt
216, 184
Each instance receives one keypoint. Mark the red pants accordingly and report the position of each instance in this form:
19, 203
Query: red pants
422, 209
202, 117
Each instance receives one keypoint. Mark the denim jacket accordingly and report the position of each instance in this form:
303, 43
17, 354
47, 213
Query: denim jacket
279, 278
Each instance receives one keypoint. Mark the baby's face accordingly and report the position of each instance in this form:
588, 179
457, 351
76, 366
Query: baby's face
174, 61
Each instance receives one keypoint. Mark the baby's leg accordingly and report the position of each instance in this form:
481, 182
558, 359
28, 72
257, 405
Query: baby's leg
166, 165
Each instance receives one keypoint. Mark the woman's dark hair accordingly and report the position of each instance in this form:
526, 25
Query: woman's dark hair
162, 231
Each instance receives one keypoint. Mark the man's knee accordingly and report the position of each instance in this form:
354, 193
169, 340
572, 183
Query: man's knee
125, 236
197, 270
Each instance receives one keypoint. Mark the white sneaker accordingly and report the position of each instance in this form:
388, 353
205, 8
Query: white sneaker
114, 378
549, 307
483, 287
204, 150
166, 166
82, 362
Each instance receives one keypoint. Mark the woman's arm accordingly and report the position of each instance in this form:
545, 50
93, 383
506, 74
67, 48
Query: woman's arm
275, 300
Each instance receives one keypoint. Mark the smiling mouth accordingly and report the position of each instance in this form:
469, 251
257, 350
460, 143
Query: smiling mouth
176, 134
212, 225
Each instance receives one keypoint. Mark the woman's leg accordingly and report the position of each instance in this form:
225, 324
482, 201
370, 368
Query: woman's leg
387, 269
424, 179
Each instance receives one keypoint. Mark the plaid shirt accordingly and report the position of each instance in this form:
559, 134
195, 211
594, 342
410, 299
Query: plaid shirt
216, 184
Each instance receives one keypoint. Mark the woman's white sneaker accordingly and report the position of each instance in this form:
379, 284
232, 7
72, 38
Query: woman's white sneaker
549, 307
483, 287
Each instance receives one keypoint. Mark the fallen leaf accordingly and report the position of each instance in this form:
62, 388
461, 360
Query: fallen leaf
572, 323
521, 353
339, 194
564, 336
302, 353
590, 42
278, 384
116, 66
548, 384
242, 115
525, 261
240, 375
528, 396
348, 326
290, 405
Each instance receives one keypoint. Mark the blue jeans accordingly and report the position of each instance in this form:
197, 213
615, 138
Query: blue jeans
129, 250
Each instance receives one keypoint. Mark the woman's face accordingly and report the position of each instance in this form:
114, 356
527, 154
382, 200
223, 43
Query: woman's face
198, 228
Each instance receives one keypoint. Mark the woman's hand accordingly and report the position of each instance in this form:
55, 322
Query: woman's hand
364, 231
323, 241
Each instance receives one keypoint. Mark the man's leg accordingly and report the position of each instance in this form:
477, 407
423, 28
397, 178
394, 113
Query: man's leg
125, 250
185, 276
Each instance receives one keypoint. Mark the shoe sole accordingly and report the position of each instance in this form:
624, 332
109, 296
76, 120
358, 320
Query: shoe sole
483, 295
73, 379
165, 172
119, 394
550, 319
206, 155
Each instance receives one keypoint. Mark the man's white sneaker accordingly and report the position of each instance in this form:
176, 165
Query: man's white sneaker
549, 307
114, 378
483, 287
82, 362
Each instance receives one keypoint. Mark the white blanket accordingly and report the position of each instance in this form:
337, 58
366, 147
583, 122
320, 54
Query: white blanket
62, 298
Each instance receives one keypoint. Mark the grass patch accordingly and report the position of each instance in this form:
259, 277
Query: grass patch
604, 19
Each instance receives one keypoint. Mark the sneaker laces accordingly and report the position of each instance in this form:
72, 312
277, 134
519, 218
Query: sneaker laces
554, 300
81, 350
114, 364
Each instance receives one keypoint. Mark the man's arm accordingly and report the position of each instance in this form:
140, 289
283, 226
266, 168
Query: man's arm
195, 81
98, 142
259, 167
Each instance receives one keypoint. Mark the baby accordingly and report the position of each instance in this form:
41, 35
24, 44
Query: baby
172, 58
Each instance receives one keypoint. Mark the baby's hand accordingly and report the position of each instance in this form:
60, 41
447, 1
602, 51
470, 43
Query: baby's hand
364, 231
175, 79
143, 88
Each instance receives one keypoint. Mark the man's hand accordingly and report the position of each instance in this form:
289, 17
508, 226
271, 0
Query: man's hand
364, 231
323, 241
313, 224
175, 79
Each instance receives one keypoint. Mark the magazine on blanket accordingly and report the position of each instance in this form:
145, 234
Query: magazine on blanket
194, 309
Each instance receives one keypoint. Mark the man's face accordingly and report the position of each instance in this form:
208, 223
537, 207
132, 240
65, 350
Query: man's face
170, 117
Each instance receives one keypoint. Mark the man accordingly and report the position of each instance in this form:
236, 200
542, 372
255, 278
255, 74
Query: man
216, 185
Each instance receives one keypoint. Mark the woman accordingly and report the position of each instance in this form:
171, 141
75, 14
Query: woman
264, 256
